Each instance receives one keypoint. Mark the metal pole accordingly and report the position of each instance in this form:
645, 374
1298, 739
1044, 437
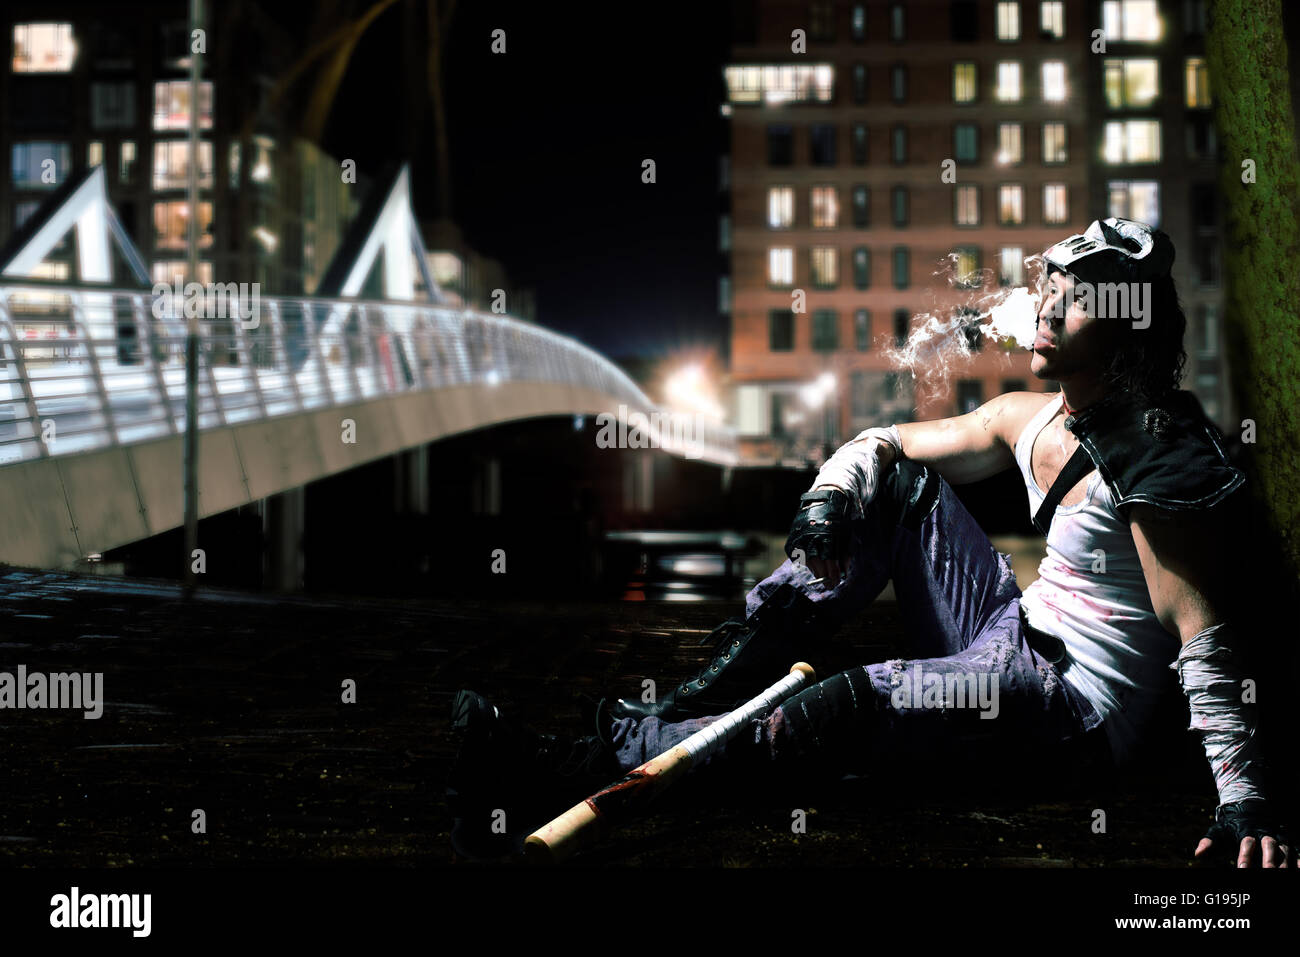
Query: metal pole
191, 474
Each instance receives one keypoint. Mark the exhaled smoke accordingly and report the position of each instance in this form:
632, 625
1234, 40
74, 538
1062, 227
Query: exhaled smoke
944, 337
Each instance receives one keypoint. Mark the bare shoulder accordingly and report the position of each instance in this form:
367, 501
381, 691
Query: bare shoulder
1008, 414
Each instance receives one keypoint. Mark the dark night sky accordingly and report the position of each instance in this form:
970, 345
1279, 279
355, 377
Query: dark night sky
547, 143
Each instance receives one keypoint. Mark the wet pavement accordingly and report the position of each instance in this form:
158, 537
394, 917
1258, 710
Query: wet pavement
233, 704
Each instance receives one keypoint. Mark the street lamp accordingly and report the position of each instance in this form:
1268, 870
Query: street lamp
816, 395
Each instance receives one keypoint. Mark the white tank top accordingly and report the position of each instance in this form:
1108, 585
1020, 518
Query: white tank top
1091, 593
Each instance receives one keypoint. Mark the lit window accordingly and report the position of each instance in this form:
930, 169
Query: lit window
968, 205
780, 266
825, 207
167, 270
1198, 83
965, 138
1056, 204
1011, 149
1131, 82
1138, 200
1051, 19
781, 83
1054, 146
966, 267
1008, 88
1012, 260
263, 148
1132, 141
171, 105
825, 262
1134, 21
40, 165
1008, 21
171, 165
95, 153
126, 163
43, 48
1054, 82
171, 224
963, 83
1011, 204
780, 207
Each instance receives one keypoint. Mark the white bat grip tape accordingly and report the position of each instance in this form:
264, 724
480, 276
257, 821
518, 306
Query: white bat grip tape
711, 739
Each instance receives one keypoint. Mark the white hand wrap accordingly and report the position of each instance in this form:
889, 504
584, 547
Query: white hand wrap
1210, 677
855, 467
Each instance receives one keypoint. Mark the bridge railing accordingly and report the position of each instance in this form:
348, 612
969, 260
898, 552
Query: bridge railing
84, 367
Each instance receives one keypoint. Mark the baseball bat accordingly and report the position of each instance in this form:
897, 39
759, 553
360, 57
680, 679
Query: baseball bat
585, 823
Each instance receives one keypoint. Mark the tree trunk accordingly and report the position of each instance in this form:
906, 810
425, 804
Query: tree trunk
1247, 56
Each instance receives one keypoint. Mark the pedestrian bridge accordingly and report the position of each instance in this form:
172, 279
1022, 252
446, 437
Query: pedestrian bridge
92, 400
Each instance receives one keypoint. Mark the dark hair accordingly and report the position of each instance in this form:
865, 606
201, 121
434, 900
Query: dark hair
1148, 362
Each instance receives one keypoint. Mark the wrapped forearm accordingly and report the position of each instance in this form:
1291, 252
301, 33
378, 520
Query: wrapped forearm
1211, 677
855, 467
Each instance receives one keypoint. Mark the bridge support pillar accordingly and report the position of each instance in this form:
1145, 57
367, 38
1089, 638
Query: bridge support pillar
411, 485
639, 482
283, 523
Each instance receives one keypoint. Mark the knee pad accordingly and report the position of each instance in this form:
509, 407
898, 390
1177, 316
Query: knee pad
909, 491
833, 717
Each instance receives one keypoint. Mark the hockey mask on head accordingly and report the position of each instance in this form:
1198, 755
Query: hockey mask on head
1113, 250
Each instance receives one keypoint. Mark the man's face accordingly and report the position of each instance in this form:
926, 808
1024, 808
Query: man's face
1067, 340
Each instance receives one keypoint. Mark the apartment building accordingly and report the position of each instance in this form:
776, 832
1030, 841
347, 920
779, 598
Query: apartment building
893, 164
90, 84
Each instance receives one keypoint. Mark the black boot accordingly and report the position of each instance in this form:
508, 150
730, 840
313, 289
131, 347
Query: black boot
748, 657
509, 780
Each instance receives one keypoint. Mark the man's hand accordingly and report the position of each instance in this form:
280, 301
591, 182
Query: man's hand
1249, 827
820, 533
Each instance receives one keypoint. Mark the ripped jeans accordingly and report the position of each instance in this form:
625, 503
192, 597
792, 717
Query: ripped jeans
972, 694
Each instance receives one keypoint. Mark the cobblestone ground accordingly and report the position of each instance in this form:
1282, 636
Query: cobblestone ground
232, 704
